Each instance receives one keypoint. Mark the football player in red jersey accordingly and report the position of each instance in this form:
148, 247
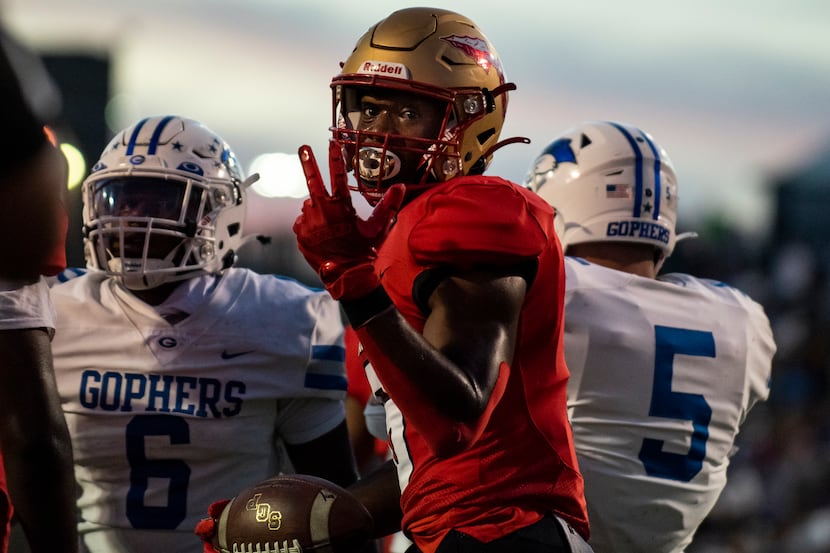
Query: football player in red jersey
455, 287
36, 471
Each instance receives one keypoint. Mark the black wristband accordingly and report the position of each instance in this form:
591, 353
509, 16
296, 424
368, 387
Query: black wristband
362, 310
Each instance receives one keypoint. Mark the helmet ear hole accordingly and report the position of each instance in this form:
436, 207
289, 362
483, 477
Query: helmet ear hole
485, 136
585, 141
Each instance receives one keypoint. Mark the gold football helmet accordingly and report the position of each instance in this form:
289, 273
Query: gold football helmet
439, 55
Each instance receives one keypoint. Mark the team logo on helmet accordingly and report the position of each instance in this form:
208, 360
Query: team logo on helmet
561, 151
558, 151
190, 167
477, 49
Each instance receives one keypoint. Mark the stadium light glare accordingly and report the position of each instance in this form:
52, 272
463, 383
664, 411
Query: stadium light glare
77, 164
280, 176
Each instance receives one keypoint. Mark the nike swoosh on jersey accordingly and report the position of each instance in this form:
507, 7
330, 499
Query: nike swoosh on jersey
228, 355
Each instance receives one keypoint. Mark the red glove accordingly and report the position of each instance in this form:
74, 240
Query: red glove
340, 246
206, 528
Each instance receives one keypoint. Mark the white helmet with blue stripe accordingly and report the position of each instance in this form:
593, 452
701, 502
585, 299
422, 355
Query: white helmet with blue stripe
165, 202
608, 182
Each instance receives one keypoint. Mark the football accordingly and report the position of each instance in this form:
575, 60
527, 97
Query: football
292, 514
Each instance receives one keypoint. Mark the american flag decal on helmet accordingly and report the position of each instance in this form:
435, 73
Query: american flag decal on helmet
617, 191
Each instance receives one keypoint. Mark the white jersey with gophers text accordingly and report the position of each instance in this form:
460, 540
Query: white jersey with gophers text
663, 373
166, 418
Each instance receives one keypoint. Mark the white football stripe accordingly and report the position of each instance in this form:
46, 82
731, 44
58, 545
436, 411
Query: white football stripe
319, 517
222, 527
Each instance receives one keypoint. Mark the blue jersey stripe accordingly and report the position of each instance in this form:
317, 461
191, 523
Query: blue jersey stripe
638, 169
154, 140
328, 353
134, 137
69, 273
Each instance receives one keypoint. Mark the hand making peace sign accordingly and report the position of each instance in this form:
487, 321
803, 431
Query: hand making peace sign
339, 245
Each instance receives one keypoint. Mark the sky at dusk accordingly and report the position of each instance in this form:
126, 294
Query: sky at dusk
737, 92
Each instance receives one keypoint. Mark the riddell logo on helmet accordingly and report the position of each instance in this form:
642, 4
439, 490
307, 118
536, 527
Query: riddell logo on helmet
384, 68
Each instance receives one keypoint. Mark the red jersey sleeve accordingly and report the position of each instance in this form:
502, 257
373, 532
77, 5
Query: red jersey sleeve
478, 221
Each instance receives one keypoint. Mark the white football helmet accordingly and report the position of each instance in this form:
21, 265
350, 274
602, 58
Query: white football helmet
165, 202
608, 182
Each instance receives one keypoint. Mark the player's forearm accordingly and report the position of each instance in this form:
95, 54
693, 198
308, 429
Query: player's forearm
328, 456
37, 449
436, 396
436, 370
380, 494
40, 476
